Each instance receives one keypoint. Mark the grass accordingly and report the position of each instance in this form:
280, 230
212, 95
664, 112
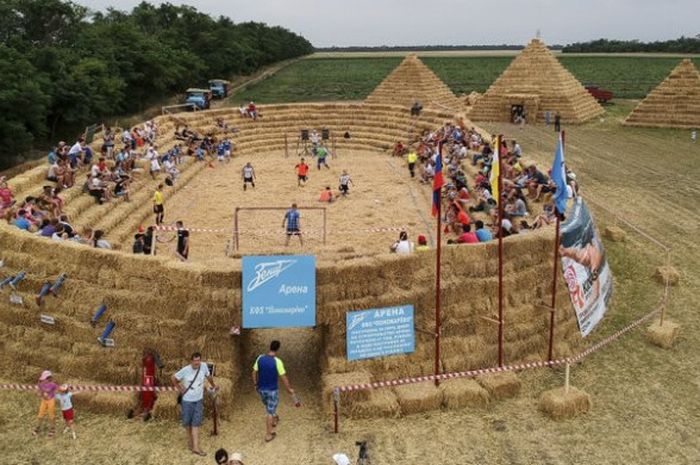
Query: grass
320, 80
329, 79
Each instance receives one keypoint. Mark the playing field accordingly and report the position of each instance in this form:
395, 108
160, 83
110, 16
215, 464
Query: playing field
349, 77
383, 196
645, 399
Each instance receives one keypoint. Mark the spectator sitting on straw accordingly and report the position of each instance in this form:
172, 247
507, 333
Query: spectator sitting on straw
402, 246
422, 244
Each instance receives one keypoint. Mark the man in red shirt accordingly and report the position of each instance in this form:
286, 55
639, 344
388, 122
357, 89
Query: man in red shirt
467, 237
302, 170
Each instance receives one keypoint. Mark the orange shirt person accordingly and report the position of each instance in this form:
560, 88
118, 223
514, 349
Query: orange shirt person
302, 170
326, 195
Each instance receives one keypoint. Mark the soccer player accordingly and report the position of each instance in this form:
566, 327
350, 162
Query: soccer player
302, 170
322, 154
291, 218
248, 174
345, 181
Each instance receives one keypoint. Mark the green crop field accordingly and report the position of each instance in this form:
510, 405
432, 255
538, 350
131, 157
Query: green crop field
327, 79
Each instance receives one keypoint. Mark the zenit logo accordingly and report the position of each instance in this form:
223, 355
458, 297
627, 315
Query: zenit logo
266, 271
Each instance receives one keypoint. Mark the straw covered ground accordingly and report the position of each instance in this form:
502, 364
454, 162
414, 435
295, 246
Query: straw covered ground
383, 195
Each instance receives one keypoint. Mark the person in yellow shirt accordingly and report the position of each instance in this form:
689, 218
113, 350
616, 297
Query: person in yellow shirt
422, 244
412, 158
158, 207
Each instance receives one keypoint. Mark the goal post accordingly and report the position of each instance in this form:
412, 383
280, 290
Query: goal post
236, 229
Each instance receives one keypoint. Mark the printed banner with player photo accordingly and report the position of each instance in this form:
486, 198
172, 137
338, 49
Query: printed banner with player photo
585, 268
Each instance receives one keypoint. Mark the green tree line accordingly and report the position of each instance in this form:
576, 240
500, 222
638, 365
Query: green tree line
63, 66
681, 45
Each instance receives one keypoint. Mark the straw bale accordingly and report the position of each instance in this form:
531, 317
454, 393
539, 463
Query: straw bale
419, 397
665, 335
667, 273
332, 381
463, 392
500, 385
382, 403
561, 405
615, 234
111, 403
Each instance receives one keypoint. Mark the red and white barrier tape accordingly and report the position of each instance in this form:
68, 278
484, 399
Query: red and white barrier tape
380, 384
93, 388
280, 231
517, 367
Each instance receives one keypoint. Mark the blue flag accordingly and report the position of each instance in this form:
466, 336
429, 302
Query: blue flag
559, 177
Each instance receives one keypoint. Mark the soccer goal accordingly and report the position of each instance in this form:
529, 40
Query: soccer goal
312, 225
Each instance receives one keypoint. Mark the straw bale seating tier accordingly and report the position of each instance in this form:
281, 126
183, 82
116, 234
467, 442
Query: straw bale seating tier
539, 82
675, 103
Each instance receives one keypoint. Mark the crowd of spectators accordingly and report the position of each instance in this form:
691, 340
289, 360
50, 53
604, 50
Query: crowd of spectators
469, 209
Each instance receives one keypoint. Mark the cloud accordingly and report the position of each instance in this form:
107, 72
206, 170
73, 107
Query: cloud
456, 22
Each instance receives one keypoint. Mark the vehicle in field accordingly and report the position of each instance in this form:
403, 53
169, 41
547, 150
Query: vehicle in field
601, 95
219, 88
200, 98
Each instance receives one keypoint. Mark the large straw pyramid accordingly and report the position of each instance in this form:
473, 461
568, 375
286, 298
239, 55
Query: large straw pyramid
674, 103
413, 81
536, 80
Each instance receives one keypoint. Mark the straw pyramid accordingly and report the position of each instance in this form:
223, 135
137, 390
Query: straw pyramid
537, 80
674, 103
413, 81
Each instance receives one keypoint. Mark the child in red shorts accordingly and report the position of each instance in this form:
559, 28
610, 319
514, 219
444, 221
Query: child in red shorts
65, 398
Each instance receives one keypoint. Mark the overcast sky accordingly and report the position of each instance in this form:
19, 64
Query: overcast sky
456, 22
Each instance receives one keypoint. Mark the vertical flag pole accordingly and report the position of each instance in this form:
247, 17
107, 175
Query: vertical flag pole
499, 201
550, 352
437, 280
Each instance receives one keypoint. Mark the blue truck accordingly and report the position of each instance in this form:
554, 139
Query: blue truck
219, 88
199, 98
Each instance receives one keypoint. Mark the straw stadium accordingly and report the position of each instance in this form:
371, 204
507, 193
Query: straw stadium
158, 302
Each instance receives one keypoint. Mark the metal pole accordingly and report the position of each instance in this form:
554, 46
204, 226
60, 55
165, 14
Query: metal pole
438, 255
324, 226
665, 299
336, 401
550, 351
566, 378
153, 240
554, 291
235, 229
499, 199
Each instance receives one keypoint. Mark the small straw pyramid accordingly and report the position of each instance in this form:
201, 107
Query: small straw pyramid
537, 80
413, 81
675, 103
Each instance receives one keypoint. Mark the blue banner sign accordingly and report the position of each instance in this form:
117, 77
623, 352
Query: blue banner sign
379, 332
279, 291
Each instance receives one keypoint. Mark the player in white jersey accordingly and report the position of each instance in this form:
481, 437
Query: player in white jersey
248, 174
345, 181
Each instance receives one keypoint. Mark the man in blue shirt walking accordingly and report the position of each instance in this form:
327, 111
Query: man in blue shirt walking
267, 371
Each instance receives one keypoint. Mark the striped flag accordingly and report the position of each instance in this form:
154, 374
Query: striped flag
437, 181
495, 170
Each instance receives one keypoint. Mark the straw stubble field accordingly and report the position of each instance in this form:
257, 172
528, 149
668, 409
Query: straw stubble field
644, 399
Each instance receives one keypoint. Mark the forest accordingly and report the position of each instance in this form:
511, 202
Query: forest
681, 45
64, 67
